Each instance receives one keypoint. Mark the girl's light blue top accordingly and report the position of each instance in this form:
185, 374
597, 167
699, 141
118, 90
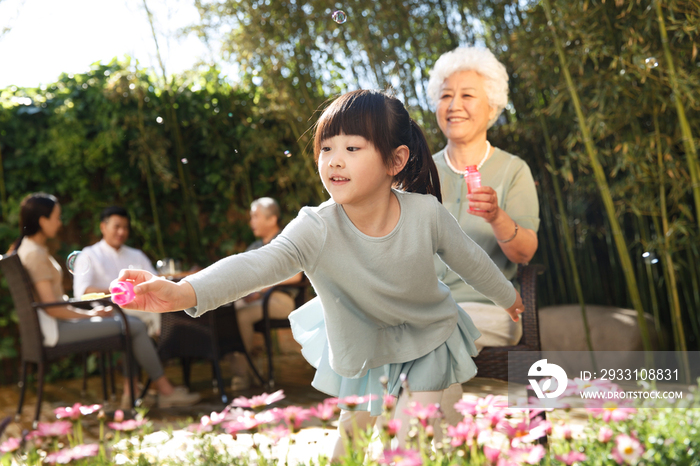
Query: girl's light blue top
382, 301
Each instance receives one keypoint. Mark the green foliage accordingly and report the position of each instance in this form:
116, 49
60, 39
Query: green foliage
94, 139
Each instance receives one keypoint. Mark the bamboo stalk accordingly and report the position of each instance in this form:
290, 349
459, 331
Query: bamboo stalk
694, 286
191, 224
602, 183
546, 211
3, 193
688, 142
149, 182
566, 231
672, 285
652, 283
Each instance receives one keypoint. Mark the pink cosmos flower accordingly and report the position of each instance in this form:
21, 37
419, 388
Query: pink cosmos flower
463, 433
250, 421
326, 410
277, 433
74, 412
610, 410
207, 423
491, 454
69, 412
605, 434
10, 445
118, 415
54, 429
566, 432
480, 405
393, 427
352, 401
401, 457
525, 431
531, 454
258, 401
627, 450
423, 413
127, 426
89, 409
494, 418
69, 454
294, 416
571, 457
389, 401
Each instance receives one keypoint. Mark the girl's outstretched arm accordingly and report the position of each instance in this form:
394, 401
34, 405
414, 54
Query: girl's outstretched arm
156, 294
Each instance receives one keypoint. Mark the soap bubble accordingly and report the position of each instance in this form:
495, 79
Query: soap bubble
649, 257
651, 62
78, 263
287, 153
339, 16
184, 161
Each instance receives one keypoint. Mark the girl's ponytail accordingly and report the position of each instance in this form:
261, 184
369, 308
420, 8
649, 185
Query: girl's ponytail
420, 174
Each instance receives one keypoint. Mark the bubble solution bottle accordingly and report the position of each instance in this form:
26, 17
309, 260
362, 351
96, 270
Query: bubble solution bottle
473, 179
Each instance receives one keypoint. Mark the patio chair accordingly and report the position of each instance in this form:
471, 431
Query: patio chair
492, 361
267, 324
210, 336
33, 349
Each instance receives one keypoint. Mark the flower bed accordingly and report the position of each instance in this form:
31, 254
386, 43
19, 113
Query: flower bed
250, 431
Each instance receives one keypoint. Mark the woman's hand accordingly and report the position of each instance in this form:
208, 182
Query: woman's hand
517, 308
483, 202
156, 294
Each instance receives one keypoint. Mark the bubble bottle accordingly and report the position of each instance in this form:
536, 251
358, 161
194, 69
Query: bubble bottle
122, 292
472, 178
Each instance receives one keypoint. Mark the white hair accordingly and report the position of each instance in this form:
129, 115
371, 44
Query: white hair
269, 205
476, 59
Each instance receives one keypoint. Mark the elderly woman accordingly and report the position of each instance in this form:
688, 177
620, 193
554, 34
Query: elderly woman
469, 88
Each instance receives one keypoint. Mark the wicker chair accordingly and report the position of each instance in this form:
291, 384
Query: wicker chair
492, 361
210, 337
267, 325
33, 349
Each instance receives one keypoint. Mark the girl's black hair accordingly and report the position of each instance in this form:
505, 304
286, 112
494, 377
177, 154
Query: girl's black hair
383, 121
33, 207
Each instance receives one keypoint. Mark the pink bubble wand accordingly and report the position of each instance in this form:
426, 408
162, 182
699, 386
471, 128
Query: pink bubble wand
122, 293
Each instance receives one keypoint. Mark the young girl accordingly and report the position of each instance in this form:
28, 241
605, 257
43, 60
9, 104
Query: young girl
369, 254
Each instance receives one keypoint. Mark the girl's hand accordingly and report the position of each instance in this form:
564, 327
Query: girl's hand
156, 294
483, 202
517, 308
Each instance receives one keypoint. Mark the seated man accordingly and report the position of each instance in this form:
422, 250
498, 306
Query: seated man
265, 223
108, 257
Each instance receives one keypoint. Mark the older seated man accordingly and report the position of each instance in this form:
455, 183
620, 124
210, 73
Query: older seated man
108, 257
265, 223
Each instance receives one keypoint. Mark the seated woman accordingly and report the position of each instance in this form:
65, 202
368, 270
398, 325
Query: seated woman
469, 88
40, 220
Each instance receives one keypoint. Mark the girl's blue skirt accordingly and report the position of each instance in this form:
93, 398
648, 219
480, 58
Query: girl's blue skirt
447, 364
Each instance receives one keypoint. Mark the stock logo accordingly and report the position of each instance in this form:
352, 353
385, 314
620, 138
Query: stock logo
542, 368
